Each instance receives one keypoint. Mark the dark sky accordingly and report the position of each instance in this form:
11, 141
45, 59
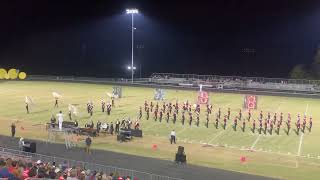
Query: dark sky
93, 38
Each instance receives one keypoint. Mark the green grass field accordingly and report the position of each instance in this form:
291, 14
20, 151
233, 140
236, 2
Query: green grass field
282, 156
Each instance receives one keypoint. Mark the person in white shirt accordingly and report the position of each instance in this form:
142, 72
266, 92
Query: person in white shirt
173, 136
21, 144
60, 120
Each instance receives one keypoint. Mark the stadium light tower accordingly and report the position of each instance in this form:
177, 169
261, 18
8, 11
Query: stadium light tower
132, 12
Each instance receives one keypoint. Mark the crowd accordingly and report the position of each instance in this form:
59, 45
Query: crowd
13, 168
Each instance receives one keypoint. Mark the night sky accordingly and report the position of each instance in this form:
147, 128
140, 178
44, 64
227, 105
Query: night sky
93, 38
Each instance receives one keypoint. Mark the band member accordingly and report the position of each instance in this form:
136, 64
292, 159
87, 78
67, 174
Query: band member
140, 112
157, 107
183, 118
111, 128
217, 122
298, 126
190, 108
224, 123
164, 107
240, 115
254, 126
161, 114
289, 120
275, 118
304, 123
177, 108
137, 125
147, 114
261, 115
271, 128
209, 109
112, 102
13, 129
219, 113
170, 108
288, 126
198, 108
168, 116
103, 105
145, 105
243, 126
27, 107
129, 123
117, 126
108, 108
265, 126
151, 106
228, 113
156, 115
98, 126
281, 118
249, 115
53, 121
278, 127
207, 120
235, 123
70, 115
174, 117
198, 119
269, 115
91, 109
123, 123
88, 107
190, 119
310, 124
260, 126
56, 104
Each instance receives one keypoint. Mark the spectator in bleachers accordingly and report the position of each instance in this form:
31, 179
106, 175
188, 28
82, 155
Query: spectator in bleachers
20, 169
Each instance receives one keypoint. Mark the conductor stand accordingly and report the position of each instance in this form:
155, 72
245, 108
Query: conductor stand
181, 157
65, 132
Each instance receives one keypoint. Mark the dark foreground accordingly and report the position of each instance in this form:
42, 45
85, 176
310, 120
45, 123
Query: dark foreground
150, 165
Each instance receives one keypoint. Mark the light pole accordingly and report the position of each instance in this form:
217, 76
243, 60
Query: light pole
132, 12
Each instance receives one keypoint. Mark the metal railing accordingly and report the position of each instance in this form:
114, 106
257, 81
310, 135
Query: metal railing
84, 165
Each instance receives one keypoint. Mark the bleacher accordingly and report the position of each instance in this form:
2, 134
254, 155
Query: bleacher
236, 82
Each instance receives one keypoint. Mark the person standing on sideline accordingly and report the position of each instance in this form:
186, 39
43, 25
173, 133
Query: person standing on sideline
88, 144
27, 107
173, 137
60, 120
56, 104
21, 144
13, 129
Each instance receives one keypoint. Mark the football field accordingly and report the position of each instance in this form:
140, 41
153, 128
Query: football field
293, 156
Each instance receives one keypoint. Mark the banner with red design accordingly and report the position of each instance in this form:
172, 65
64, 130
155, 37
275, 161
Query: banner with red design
203, 97
250, 102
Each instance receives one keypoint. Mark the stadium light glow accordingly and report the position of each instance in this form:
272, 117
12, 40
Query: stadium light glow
132, 12
134, 68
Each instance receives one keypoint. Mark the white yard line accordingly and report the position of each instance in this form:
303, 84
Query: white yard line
300, 144
301, 137
182, 130
217, 135
255, 142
